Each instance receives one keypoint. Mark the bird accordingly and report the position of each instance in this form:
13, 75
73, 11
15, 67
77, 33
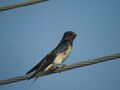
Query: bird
56, 57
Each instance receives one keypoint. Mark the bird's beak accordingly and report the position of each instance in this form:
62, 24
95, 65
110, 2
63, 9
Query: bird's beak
75, 34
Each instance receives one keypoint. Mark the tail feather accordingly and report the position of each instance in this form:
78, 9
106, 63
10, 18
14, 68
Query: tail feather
32, 75
36, 73
33, 81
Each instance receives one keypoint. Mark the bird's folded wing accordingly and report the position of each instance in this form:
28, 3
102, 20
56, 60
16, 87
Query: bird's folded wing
47, 60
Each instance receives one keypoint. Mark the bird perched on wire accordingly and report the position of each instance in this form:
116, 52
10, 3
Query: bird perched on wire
56, 57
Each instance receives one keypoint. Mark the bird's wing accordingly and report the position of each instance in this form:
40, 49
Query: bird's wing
47, 60
35, 67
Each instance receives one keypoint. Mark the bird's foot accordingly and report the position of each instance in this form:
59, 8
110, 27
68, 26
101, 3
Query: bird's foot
53, 69
61, 67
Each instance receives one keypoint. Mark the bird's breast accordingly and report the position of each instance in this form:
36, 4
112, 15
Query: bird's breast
60, 57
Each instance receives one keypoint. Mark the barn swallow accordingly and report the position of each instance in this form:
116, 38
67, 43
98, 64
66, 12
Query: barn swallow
56, 57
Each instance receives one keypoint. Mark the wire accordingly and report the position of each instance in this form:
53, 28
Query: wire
27, 3
64, 68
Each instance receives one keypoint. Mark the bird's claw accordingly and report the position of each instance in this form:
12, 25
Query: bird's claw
63, 65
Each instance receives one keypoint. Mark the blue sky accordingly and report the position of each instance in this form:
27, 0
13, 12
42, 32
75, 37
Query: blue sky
27, 34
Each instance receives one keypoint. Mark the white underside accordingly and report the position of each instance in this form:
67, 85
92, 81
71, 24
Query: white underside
60, 58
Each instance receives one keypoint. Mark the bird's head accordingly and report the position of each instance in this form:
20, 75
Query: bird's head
69, 36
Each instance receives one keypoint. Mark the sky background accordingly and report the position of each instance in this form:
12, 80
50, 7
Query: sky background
27, 34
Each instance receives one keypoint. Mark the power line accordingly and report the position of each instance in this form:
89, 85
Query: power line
64, 68
27, 3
